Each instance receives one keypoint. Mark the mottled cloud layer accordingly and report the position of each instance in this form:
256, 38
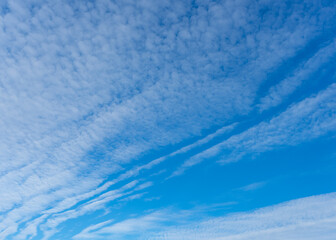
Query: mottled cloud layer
87, 89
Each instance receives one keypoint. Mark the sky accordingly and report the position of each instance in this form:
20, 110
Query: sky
167, 120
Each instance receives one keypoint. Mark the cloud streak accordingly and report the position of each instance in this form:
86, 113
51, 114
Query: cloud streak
307, 120
306, 218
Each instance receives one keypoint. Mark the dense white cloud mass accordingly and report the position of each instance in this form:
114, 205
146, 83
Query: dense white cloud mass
88, 88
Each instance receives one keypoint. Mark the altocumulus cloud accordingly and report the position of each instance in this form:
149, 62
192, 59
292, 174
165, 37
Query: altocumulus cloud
89, 90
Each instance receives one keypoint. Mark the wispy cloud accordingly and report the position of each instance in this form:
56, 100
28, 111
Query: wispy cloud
308, 218
253, 186
287, 86
126, 227
311, 118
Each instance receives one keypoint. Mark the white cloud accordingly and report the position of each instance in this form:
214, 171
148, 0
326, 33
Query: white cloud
306, 218
287, 86
253, 186
115, 80
309, 119
126, 227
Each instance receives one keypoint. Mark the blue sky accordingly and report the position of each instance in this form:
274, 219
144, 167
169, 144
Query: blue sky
167, 120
